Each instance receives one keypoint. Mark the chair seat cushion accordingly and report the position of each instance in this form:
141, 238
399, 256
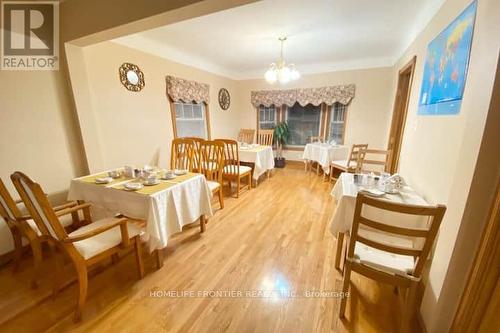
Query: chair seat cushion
342, 164
384, 261
228, 169
99, 243
213, 185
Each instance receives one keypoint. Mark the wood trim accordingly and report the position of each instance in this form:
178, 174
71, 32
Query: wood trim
172, 117
397, 128
207, 117
483, 277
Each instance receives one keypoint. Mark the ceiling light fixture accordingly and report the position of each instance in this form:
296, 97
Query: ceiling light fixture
280, 71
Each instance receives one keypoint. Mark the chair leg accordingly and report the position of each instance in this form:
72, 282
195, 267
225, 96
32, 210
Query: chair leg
138, 256
409, 308
338, 255
345, 288
202, 224
36, 248
159, 258
81, 270
250, 181
18, 249
221, 198
238, 184
59, 268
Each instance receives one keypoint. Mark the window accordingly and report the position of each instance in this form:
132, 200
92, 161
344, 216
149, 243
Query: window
267, 117
303, 122
190, 120
337, 123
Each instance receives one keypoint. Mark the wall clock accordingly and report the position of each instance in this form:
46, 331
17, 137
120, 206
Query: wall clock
224, 99
131, 77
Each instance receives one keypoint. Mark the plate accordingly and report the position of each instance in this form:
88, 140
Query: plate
103, 180
180, 172
165, 177
152, 184
394, 191
372, 192
133, 186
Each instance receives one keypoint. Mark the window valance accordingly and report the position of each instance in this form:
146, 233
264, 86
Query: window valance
181, 90
315, 96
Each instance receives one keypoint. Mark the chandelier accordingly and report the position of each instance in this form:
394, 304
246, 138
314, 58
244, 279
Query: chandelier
280, 71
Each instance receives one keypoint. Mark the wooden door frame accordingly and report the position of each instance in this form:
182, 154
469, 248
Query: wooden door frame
484, 275
409, 68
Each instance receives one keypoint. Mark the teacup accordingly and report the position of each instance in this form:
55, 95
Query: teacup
169, 174
114, 174
151, 179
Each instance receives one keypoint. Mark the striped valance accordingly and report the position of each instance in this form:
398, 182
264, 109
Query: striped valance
181, 90
315, 96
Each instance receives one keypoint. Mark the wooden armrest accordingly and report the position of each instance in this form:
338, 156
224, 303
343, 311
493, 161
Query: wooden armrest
66, 211
66, 205
122, 222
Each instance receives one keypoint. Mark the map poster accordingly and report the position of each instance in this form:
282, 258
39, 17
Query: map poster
445, 69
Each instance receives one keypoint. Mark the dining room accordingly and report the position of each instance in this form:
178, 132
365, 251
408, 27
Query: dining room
243, 165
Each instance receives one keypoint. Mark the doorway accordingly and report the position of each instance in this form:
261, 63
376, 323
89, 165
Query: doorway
403, 91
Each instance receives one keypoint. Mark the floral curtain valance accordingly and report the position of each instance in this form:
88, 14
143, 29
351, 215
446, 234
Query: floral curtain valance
187, 91
315, 96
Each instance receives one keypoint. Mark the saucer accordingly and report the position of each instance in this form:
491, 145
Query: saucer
156, 182
172, 176
103, 180
133, 186
178, 172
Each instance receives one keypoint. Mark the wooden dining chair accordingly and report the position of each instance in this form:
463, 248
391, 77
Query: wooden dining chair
354, 162
196, 152
233, 170
390, 254
86, 245
246, 135
265, 137
376, 161
212, 166
182, 154
21, 225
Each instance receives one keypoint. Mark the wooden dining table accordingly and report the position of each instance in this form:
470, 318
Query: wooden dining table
166, 207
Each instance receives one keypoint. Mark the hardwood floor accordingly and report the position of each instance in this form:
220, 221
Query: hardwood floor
275, 236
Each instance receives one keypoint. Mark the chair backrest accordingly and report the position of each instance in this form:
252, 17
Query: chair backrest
231, 156
182, 154
427, 234
196, 155
38, 205
377, 160
357, 156
313, 139
265, 137
212, 160
8, 207
246, 135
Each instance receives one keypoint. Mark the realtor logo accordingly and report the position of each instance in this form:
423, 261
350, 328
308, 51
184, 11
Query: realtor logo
30, 35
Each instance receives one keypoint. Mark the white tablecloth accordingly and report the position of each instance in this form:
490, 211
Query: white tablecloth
345, 192
324, 153
261, 156
165, 211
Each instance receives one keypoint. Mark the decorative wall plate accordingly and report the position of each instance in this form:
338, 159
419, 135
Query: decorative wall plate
131, 77
224, 99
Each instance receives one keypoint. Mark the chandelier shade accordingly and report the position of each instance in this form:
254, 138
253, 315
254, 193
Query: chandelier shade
280, 71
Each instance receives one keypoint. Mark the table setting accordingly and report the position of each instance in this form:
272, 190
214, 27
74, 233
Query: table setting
324, 153
166, 199
260, 156
385, 187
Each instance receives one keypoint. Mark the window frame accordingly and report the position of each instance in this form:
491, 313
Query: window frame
320, 125
281, 115
174, 118
277, 110
329, 112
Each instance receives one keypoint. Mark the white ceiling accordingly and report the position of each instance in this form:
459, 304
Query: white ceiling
323, 35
